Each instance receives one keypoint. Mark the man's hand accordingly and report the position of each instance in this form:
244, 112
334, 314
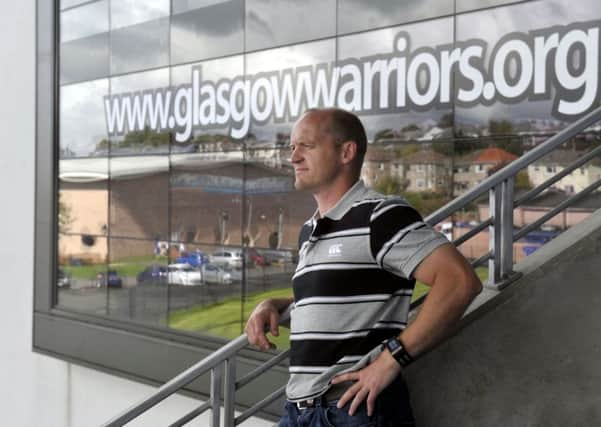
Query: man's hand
370, 381
265, 315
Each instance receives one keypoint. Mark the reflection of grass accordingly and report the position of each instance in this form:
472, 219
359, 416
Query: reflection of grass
224, 318
128, 266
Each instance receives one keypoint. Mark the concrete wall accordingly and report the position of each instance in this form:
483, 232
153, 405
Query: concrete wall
528, 356
38, 390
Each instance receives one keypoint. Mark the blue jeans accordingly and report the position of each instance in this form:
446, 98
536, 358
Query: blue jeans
392, 409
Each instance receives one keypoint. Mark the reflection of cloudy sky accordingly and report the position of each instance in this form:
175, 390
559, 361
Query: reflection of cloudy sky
212, 70
291, 56
130, 12
282, 58
493, 24
215, 30
180, 6
84, 21
140, 46
82, 123
269, 23
429, 34
140, 81
356, 15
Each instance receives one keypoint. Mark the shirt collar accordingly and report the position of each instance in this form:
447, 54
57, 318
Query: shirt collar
343, 205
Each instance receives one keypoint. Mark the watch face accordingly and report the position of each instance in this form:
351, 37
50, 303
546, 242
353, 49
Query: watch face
393, 344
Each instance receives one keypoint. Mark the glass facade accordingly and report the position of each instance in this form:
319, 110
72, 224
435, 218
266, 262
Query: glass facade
176, 203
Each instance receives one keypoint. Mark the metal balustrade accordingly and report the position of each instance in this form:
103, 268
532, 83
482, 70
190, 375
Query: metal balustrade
500, 189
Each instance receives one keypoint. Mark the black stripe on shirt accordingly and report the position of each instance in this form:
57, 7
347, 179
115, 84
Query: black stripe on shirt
384, 227
328, 352
352, 282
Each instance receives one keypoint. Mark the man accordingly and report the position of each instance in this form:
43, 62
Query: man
359, 257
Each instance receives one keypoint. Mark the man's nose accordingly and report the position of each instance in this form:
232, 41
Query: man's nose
295, 156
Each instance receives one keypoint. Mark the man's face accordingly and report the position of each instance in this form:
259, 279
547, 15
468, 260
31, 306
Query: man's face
315, 157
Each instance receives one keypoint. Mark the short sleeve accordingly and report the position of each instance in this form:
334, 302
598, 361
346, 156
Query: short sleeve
399, 238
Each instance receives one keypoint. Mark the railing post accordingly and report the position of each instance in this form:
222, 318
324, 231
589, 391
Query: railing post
500, 265
229, 393
216, 375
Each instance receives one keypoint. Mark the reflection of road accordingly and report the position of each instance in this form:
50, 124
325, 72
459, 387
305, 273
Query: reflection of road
151, 303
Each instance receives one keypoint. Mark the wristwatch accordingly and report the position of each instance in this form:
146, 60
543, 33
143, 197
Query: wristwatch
398, 351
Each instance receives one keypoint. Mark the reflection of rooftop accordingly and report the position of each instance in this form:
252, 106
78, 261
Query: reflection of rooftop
82, 170
491, 155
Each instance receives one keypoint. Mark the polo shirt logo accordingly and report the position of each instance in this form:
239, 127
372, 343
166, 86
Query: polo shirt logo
335, 250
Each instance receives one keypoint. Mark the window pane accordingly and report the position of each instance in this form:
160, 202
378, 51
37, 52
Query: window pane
206, 198
205, 289
140, 46
137, 281
82, 126
84, 59
271, 23
138, 137
83, 196
214, 30
358, 15
81, 269
125, 13
84, 21
135, 211
212, 131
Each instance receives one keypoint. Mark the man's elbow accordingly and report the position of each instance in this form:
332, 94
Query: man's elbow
473, 285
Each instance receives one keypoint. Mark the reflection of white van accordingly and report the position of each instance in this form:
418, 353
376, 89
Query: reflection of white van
446, 228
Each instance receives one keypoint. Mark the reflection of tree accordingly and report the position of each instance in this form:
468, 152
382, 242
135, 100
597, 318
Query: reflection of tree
64, 216
146, 137
446, 120
384, 134
390, 185
425, 202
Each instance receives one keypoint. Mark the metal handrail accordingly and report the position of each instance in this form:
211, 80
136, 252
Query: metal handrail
500, 224
214, 363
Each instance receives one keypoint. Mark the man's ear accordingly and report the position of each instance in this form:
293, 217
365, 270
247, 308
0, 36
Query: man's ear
349, 151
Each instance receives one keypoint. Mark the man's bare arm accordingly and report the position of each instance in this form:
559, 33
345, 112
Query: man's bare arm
265, 315
454, 285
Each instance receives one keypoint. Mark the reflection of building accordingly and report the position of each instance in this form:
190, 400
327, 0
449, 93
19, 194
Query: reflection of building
427, 170
557, 161
424, 170
201, 194
474, 167
378, 164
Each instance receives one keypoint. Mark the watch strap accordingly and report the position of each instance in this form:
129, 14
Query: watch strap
398, 351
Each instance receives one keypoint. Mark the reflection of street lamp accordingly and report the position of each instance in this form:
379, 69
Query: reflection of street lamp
224, 217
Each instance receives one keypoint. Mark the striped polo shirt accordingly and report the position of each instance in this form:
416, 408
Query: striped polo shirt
353, 285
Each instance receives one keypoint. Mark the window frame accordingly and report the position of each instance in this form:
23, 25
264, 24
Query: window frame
82, 338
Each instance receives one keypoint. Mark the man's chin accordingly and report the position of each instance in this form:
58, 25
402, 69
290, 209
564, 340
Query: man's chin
300, 185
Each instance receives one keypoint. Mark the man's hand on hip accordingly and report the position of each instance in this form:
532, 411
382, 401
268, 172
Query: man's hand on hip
266, 315
370, 381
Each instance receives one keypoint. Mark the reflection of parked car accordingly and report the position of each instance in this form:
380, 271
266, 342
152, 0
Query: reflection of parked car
111, 279
231, 258
153, 274
195, 259
234, 272
214, 274
63, 280
255, 258
183, 274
